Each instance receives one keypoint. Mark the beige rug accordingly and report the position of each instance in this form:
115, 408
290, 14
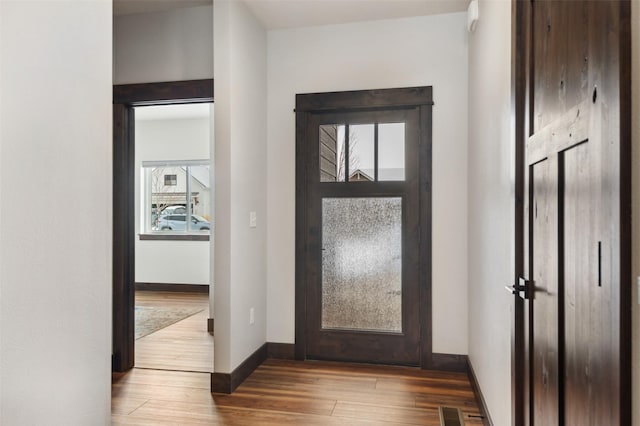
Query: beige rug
150, 319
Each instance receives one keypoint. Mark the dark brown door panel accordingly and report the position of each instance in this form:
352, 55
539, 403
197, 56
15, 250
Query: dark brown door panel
571, 352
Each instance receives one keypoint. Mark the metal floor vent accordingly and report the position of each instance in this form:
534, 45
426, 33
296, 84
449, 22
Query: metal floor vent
450, 416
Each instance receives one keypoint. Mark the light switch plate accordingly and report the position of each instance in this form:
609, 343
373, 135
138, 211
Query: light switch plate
252, 219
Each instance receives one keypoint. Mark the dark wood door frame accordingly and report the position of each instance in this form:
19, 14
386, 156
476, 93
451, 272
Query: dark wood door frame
367, 100
523, 119
125, 98
520, 45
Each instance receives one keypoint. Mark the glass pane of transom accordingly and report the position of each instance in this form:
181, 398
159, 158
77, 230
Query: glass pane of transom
391, 152
362, 264
361, 153
332, 155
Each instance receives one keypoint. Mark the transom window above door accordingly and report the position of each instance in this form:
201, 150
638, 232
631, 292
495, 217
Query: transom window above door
368, 152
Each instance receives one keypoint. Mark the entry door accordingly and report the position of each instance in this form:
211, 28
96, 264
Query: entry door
363, 234
575, 287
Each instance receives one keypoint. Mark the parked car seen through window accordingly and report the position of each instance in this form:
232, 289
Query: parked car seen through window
177, 222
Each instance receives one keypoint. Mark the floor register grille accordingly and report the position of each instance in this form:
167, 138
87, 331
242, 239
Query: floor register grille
450, 416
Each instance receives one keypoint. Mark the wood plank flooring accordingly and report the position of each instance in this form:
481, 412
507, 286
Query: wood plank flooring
183, 346
279, 392
294, 393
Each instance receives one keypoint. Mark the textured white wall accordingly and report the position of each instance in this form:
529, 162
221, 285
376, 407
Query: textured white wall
55, 237
178, 262
491, 201
424, 51
635, 137
163, 46
240, 176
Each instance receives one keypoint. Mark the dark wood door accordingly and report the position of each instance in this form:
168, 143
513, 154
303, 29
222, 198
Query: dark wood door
362, 233
572, 102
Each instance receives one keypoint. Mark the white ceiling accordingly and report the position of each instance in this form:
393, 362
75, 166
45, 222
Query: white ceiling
278, 14
130, 7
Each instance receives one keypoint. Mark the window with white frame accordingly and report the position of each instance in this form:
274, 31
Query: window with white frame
177, 197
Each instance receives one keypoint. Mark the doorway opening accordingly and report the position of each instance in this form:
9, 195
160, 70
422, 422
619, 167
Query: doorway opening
162, 206
173, 224
363, 226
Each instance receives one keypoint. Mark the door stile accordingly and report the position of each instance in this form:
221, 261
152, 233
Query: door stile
302, 130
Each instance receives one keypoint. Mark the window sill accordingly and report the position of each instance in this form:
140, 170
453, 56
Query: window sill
174, 237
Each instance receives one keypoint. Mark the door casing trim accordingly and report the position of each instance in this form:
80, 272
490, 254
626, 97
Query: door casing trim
367, 100
125, 98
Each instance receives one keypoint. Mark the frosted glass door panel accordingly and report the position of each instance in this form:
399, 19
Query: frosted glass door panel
362, 264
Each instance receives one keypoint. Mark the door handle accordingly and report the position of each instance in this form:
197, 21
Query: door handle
521, 289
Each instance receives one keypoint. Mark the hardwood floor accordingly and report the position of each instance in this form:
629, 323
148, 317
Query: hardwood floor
294, 393
183, 346
279, 392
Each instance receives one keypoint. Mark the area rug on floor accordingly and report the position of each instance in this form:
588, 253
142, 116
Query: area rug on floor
150, 319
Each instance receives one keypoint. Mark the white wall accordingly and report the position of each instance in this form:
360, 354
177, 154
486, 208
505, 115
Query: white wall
2, 106
172, 262
491, 201
55, 269
635, 186
240, 176
175, 262
163, 46
424, 51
